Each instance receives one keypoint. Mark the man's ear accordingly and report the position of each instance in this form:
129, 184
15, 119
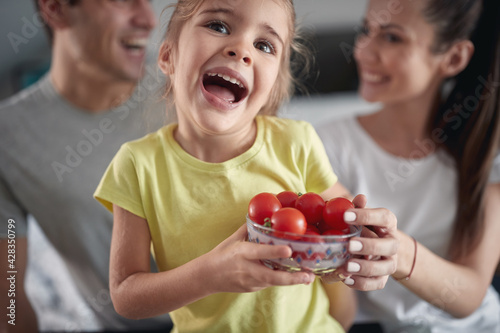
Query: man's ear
457, 58
54, 13
165, 58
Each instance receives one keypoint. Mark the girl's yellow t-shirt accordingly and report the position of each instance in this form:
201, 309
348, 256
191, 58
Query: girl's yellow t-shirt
191, 206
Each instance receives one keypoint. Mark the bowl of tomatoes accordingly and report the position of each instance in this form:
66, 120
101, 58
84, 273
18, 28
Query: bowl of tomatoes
313, 228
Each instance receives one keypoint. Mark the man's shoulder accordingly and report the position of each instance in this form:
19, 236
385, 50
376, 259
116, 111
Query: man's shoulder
23, 101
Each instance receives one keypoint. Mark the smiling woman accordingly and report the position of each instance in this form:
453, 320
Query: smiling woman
433, 155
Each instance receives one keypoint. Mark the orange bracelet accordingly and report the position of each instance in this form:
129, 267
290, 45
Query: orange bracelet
413, 264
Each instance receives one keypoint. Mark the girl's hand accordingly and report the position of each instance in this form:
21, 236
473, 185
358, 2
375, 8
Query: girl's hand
374, 253
236, 267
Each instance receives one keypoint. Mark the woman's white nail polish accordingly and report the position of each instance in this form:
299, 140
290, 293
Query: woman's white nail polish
349, 281
353, 267
355, 246
349, 216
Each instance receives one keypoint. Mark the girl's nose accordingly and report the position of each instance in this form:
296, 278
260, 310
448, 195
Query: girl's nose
239, 51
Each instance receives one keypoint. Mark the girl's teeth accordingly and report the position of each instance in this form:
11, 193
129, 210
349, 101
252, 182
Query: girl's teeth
227, 78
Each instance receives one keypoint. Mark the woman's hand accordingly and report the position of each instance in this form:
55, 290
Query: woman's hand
236, 267
374, 254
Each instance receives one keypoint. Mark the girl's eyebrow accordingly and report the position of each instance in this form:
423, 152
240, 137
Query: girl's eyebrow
266, 26
274, 33
216, 10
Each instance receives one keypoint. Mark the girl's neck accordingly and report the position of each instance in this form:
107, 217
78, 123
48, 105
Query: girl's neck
215, 148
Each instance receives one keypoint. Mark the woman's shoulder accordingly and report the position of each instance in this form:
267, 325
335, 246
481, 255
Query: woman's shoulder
340, 128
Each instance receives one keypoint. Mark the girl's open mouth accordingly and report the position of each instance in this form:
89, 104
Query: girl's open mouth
224, 87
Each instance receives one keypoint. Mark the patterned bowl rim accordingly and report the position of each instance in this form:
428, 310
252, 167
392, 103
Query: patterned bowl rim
355, 231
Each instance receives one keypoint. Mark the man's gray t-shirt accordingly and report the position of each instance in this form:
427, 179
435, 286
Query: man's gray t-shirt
52, 156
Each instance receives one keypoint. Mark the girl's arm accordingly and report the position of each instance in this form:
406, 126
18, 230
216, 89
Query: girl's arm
343, 303
233, 266
455, 287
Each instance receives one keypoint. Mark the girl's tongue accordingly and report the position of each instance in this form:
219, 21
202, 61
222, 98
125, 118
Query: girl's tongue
221, 92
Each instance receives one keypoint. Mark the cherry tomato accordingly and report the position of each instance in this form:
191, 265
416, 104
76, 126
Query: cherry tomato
313, 228
262, 206
312, 236
287, 198
311, 205
289, 219
333, 213
322, 226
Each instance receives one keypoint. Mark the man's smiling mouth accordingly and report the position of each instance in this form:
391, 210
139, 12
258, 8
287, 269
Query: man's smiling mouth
135, 45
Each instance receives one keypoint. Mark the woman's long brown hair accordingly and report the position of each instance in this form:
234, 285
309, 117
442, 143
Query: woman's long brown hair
470, 114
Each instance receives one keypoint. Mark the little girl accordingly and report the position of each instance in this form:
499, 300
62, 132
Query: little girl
185, 189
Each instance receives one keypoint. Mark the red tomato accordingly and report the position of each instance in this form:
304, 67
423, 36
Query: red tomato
289, 219
262, 206
333, 214
312, 236
313, 228
322, 227
311, 205
287, 198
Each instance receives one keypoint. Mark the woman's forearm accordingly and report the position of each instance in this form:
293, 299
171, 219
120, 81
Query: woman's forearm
456, 289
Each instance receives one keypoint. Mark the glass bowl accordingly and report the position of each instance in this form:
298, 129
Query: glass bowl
317, 254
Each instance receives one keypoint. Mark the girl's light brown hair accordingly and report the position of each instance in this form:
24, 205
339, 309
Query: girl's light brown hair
296, 59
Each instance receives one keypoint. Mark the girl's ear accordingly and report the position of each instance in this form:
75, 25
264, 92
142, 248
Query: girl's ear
55, 13
165, 59
457, 58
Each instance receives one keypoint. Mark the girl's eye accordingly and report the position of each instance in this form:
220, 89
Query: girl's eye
265, 46
218, 26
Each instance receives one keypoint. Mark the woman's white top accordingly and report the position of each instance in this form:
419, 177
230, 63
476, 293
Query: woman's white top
421, 192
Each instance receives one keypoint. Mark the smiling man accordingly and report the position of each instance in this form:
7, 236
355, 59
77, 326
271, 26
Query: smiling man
56, 139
